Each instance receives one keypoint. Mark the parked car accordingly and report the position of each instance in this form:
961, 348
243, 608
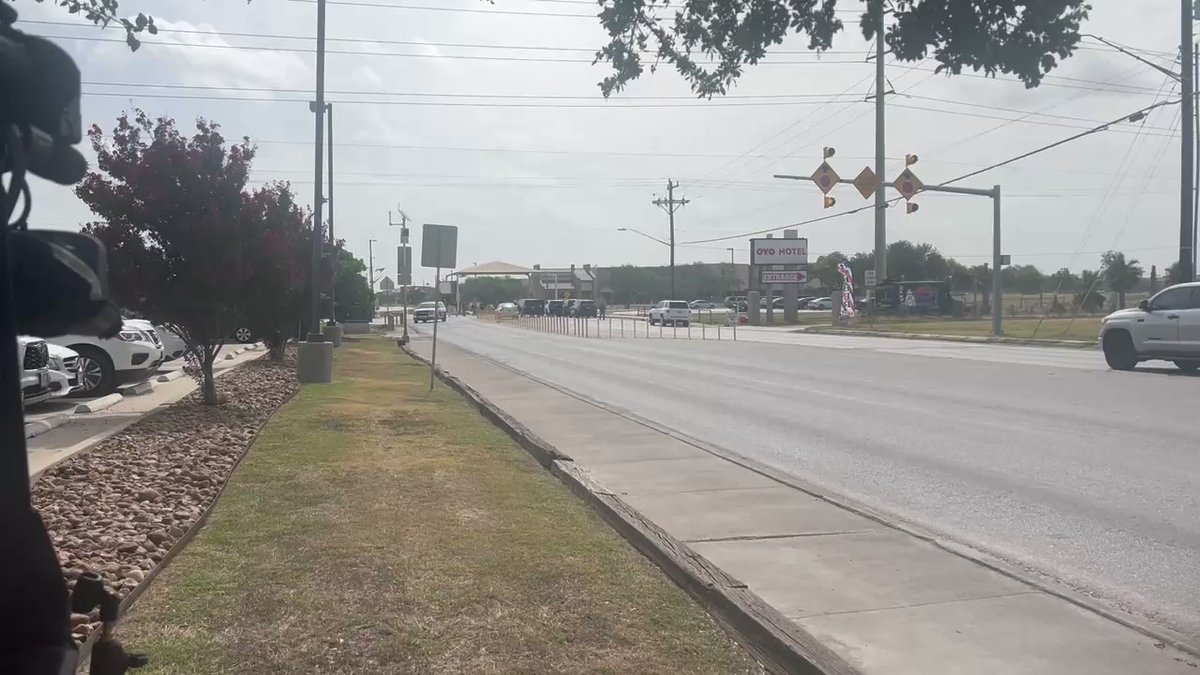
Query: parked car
581, 308
33, 360
821, 304
672, 312
103, 365
532, 307
1166, 327
429, 311
555, 307
64, 369
802, 303
507, 310
702, 304
173, 345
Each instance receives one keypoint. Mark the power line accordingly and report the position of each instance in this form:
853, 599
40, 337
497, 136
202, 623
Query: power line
1134, 116
465, 10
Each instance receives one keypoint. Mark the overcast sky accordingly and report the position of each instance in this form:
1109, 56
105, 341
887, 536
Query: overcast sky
519, 150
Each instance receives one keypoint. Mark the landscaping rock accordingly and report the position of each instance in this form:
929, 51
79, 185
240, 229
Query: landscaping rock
119, 508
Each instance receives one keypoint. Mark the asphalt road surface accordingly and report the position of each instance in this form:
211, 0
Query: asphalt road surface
1080, 475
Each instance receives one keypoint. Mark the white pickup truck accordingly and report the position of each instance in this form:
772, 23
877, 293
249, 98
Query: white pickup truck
671, 312
1165, 327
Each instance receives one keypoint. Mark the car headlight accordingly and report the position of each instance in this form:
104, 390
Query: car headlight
131, 336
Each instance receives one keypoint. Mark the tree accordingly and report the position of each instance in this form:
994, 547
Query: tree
1026, 38
355, 299
104, 12
170, 212
826, 271
276, 290
1029, 280
1120, 275
492, 290
1064, 280
1089, 299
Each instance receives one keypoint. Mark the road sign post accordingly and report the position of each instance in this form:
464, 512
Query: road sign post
439, 248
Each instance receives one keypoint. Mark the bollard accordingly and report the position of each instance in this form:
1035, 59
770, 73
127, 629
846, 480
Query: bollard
703, 332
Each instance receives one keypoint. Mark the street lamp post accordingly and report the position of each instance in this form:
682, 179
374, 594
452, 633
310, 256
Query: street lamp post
314, 359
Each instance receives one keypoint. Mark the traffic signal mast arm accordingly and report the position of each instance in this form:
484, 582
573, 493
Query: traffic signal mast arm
928, 188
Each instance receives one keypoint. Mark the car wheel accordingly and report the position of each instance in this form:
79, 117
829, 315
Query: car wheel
1119, 352
1188, 366
243, 335
444, 319
95, 368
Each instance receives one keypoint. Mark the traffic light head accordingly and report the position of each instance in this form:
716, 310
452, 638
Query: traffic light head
909, 160
829, 202
911, 207
829, 152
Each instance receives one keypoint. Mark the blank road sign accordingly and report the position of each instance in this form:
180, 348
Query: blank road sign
866, 183
439, 246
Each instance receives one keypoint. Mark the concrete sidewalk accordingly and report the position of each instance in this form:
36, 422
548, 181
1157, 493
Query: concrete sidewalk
883, 600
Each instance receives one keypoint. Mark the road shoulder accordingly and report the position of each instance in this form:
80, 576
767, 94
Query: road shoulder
884, 600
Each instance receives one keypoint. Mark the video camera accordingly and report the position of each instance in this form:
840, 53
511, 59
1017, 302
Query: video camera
51, 283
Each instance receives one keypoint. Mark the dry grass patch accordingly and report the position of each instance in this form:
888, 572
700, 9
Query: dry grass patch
378, 528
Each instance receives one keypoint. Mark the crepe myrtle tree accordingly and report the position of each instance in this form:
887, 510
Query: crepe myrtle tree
711, 41
278, 232
170, 212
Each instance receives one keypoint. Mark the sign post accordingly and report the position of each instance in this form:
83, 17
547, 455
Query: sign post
439, 248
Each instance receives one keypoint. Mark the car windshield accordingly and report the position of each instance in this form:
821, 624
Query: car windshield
427, 305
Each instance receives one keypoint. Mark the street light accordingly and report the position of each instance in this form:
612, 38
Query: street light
630, 229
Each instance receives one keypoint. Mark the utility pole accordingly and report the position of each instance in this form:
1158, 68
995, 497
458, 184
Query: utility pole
733, 270
880, 149
371, 262
332, 241
670, 205
403, 275
318, 109
1187, 144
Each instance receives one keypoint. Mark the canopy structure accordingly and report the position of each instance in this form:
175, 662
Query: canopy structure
493, 269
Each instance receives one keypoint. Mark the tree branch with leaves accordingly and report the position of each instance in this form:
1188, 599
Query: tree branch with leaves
711, 41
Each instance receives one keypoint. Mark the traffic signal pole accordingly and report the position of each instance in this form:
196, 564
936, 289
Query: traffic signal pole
994, 194
880, 148
1187, 143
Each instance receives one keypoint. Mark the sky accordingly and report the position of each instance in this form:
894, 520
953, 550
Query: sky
489, 117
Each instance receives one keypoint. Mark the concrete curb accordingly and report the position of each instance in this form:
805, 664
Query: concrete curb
169, 376
139, 389
777, 642
39, 427
99, 404
1076, 344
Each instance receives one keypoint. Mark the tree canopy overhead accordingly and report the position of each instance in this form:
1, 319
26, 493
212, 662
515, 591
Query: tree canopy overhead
711, 41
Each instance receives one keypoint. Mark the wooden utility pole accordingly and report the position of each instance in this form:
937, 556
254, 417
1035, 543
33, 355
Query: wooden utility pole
670, 205
1187, 144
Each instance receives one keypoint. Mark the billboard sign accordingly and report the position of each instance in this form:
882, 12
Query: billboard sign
778, 251
785, 277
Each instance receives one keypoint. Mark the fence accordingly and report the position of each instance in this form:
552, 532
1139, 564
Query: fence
618, 327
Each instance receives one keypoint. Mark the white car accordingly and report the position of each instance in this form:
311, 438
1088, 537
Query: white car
131, 357
33, 360
64, 370
672, 312
1165, 327
173, 345
507, 310
429, 311
821, 304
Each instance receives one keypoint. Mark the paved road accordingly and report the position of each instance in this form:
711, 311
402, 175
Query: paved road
1081, 475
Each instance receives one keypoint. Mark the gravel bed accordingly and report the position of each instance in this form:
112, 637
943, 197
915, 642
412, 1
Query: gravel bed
119, 508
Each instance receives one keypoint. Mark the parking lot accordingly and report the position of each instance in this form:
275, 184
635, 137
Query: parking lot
61, 427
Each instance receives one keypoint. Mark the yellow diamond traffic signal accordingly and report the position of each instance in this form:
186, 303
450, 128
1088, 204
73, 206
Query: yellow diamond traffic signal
829, 202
